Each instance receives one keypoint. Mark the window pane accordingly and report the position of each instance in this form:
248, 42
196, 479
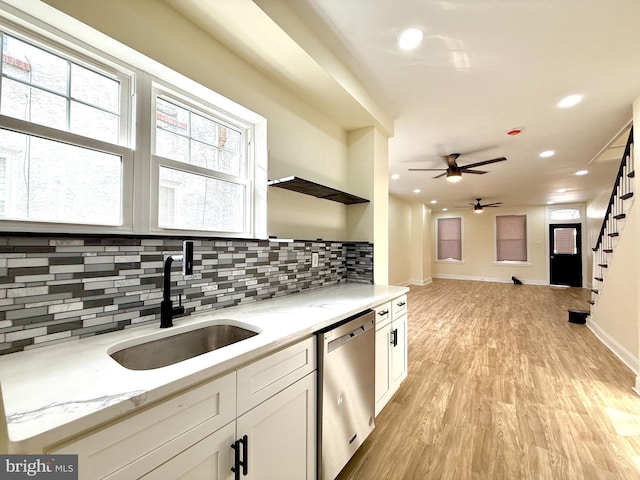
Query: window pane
449, 239
229, 158
171, 145
35, 66
565, 214
564, 240
56, 182
203, 129
511, 238
186, 136
95, 89
202, 203
94, 123
41, 93
33, 105
3, 185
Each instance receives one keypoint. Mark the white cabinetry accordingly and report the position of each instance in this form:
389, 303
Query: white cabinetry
391, 349
190, 435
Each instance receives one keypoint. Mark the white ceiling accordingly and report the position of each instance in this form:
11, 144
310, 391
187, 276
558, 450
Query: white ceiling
484, 67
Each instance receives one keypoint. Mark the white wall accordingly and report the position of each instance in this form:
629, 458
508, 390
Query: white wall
402, 252
478, 247
614, 318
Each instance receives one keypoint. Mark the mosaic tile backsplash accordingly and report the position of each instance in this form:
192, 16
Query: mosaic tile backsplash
55, 289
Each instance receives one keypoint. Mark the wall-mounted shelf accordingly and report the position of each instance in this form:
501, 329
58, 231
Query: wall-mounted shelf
301, 185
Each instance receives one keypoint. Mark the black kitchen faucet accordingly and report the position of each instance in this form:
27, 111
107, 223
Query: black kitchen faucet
167, 310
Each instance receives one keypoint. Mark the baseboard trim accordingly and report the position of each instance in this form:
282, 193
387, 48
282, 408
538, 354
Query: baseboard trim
618, 350
423, 282
490, 279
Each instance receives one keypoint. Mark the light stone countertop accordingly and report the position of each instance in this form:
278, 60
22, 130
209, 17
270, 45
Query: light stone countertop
55, 392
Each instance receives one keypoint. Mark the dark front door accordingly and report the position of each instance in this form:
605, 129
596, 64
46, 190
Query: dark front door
566, 254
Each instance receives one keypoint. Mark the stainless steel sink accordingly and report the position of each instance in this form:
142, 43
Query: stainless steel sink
182, 346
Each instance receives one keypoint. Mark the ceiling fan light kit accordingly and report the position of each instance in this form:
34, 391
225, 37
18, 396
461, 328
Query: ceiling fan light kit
479, 207
454, 176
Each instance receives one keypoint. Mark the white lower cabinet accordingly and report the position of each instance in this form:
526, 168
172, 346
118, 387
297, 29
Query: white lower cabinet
190, 435
281, 434
391, 349
208, 459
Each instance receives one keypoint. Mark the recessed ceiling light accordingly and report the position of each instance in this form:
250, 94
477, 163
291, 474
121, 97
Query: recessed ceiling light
395, 176
445, 209
410, 38
561, 190
417, 190
570, 101
434, 201
547, 154
582, 172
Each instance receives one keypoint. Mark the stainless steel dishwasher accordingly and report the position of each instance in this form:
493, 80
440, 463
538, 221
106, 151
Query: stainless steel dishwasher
346, 392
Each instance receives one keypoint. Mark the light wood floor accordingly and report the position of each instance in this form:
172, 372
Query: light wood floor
501, 386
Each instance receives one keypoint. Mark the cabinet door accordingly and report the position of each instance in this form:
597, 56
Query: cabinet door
383, 378
399, 350
209, 459
282, 434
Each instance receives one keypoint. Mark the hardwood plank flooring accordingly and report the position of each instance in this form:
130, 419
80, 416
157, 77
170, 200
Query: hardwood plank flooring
502, 386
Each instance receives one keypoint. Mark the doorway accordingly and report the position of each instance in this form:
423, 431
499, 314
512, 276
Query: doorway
565, 247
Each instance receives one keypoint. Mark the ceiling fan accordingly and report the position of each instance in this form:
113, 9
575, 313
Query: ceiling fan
454, 171
478, 207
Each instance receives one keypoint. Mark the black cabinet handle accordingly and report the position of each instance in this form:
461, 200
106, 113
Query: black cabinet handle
244, 463
394, 337
243, 444
236, 460
402, 304
383, 312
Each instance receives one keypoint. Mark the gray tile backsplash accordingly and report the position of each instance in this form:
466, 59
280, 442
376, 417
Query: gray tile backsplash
55, 289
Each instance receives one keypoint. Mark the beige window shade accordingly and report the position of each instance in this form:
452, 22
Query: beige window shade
511, 238
449, 238
565, 241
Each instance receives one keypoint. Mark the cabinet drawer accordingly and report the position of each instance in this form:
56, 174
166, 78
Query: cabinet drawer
398, 306
383, 314
134, 445
264, 378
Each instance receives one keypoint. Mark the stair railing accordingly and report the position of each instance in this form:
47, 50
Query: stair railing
622, 183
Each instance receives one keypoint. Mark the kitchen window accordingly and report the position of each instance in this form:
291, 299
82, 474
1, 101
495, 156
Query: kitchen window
511, 238
74, 122
449, 239
64, 126
204, 159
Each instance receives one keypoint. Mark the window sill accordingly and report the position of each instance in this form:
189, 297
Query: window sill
513, 264
450, 261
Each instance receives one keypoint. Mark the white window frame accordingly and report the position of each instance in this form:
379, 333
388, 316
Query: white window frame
140, 184
5, 163
246, 174
528, 240
450, 260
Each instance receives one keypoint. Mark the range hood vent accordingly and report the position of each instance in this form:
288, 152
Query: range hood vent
307, 187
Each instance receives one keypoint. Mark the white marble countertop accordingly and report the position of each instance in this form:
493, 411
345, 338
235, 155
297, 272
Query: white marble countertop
55, 392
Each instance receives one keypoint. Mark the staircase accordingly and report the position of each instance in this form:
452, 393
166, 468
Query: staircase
614, 220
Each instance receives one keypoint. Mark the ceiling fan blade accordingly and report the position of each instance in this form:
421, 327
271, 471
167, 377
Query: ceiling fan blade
427, 169
451, 159
477, 172
486, 162
496, 204
441, 175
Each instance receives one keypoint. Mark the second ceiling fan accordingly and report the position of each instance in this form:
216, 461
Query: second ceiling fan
454, 171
